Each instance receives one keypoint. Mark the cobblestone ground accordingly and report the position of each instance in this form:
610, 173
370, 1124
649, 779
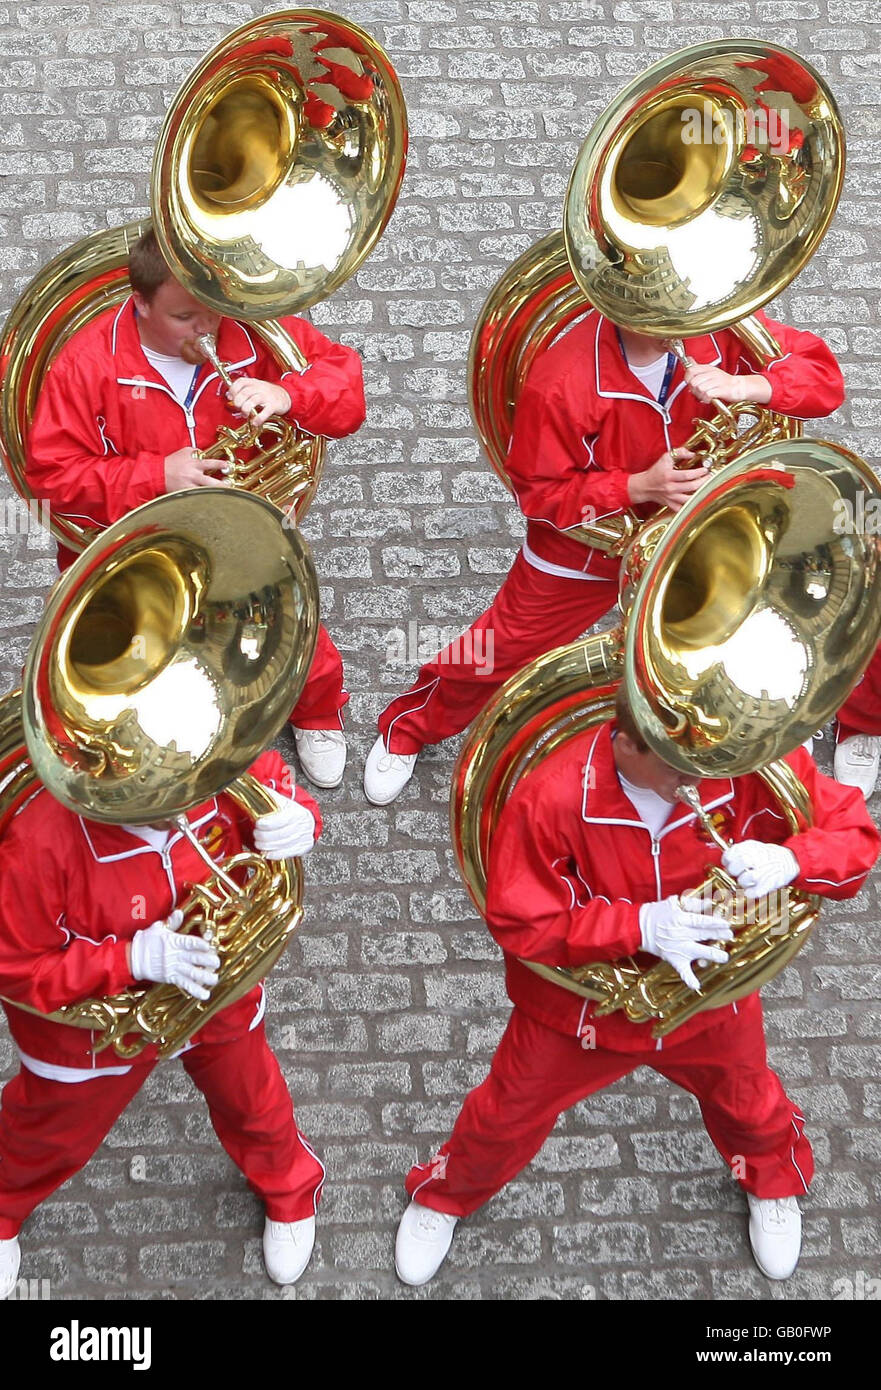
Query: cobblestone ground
390, 1003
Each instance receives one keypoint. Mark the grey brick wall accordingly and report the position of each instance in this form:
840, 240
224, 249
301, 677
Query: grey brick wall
390, 1003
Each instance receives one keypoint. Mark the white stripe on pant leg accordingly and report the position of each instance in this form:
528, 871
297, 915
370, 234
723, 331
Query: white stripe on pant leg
404, 713
432, 1177
261, 1010
792, 1149
309, 1149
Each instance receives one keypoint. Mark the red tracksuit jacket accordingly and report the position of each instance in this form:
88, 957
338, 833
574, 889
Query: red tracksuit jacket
574, 447
105, 420
74, 894
571, 864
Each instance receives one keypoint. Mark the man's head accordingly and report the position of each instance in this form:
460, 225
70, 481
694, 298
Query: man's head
169, 318
639, 763
640, 348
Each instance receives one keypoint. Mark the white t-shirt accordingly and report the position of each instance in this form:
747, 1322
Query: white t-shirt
156, 839
652, 809
651, 375
179, 374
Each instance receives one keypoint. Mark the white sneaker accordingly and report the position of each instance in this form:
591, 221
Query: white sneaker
856, 762
775, 1234
386, 774
287, 1247
322, 754
424, 1237
10, 1260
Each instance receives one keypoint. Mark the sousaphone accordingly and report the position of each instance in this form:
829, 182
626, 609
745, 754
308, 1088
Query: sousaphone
674, 235
166, 661
276, 172
747, 618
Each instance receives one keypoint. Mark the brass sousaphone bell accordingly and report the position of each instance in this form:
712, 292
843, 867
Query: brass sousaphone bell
673, 235
166, 661
279, 164
276, 172
747, 619
748, 615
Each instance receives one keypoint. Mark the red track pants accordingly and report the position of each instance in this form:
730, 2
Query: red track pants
322, 700
538, 1073
861, 711
532, 613
50, 1129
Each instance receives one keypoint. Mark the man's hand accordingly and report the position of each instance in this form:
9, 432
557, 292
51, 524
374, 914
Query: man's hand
257, 400
678, 933
184, 470
759, 868
157, 953
285, 833
712, 384
666, 484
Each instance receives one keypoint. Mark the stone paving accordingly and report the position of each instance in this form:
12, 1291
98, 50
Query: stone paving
389, 1005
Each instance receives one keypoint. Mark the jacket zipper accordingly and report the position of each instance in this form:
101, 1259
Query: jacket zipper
657, 888
165, 856
656, 860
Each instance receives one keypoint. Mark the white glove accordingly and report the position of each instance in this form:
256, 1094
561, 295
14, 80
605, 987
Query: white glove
759, 868
676, 932
287, 832
160, 955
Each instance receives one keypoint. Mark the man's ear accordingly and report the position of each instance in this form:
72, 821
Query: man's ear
628, 747
141, 304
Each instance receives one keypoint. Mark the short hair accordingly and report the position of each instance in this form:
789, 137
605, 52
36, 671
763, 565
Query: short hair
147, 268
625, 721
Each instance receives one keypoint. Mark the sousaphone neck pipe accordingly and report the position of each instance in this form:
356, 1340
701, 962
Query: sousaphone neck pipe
207, 345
